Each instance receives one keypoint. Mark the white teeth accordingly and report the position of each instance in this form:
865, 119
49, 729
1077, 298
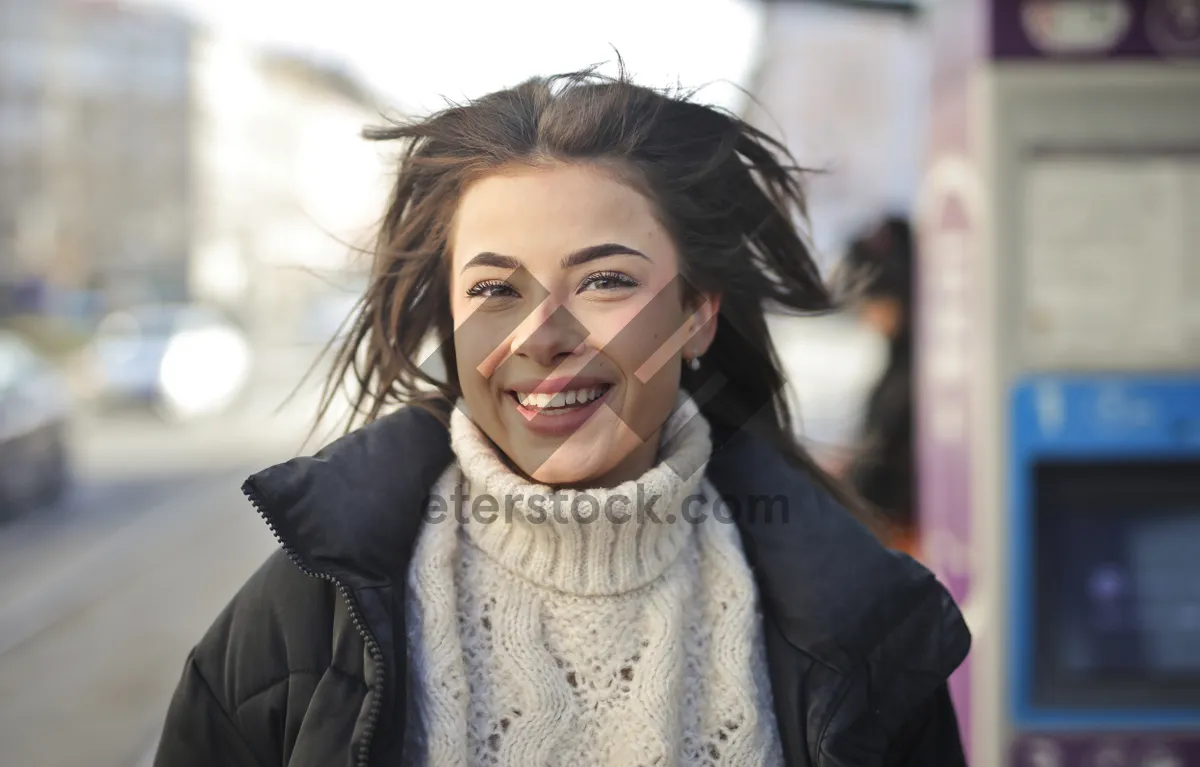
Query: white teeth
561, 399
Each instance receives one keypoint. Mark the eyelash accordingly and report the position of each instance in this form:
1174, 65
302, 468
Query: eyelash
623, 280
481, 288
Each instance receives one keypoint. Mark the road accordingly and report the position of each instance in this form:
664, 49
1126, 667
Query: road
102, 598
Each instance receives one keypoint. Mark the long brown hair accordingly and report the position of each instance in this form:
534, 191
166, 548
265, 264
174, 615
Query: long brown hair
730, 196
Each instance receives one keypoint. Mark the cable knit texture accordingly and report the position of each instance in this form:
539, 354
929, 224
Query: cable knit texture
587, 637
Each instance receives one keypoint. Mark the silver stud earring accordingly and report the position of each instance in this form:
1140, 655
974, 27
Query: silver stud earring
694, 364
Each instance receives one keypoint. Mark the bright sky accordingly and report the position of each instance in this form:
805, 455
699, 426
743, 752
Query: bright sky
416, 51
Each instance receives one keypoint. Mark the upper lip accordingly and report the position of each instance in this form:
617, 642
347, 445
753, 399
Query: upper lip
556, 385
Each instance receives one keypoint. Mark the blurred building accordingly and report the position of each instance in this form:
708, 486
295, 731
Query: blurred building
846, 85
146, 159
94, 147
286, 191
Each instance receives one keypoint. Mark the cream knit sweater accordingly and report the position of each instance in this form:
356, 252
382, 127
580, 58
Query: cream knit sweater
587, 638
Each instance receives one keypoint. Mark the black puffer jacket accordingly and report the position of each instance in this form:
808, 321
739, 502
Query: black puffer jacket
307, 666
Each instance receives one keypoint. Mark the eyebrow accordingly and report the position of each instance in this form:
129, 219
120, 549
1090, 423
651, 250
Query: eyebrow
578, 258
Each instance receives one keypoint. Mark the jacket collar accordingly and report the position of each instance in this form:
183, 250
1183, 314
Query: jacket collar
354, 509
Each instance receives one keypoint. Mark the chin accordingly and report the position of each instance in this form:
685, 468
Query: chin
591, 460
573, 465
568, 471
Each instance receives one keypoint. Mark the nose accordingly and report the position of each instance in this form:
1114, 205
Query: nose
550, 335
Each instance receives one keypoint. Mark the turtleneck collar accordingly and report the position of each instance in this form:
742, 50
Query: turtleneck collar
603, 541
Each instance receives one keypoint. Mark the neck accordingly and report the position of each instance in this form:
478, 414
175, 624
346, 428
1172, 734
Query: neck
602, 540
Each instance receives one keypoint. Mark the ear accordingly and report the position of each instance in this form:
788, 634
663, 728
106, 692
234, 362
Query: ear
702, 325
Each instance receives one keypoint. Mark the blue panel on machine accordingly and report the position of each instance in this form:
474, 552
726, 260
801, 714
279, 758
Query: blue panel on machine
1104, 483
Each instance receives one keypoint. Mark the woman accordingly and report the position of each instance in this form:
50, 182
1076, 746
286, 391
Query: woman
884, 470
536, 559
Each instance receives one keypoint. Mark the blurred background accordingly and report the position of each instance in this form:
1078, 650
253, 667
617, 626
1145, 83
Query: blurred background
183, 201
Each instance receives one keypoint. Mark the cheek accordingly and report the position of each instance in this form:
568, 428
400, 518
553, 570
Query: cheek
481, 341
607, 324
479, 351
631, 335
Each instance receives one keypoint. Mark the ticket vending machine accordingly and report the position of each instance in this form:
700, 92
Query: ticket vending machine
1059, 374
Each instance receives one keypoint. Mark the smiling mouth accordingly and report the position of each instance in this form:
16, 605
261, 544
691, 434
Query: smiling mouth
566, 401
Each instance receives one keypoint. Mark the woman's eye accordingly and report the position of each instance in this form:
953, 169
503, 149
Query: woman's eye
607, 281
491, 289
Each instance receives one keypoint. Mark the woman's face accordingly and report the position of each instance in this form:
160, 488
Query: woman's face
883, 315
570, 321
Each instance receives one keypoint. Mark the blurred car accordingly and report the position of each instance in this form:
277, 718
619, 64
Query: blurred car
183, 361
35, 411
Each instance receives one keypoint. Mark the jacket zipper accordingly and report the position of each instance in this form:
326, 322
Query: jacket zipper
362, 759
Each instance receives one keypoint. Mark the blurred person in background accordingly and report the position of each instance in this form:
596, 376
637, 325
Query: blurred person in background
595, 259
879, 273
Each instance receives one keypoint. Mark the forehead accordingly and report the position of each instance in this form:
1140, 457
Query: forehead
531, 211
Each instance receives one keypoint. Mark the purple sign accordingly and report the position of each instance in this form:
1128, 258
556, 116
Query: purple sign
1095, 30
949, 225
950, 229
949, 220
1106, 750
